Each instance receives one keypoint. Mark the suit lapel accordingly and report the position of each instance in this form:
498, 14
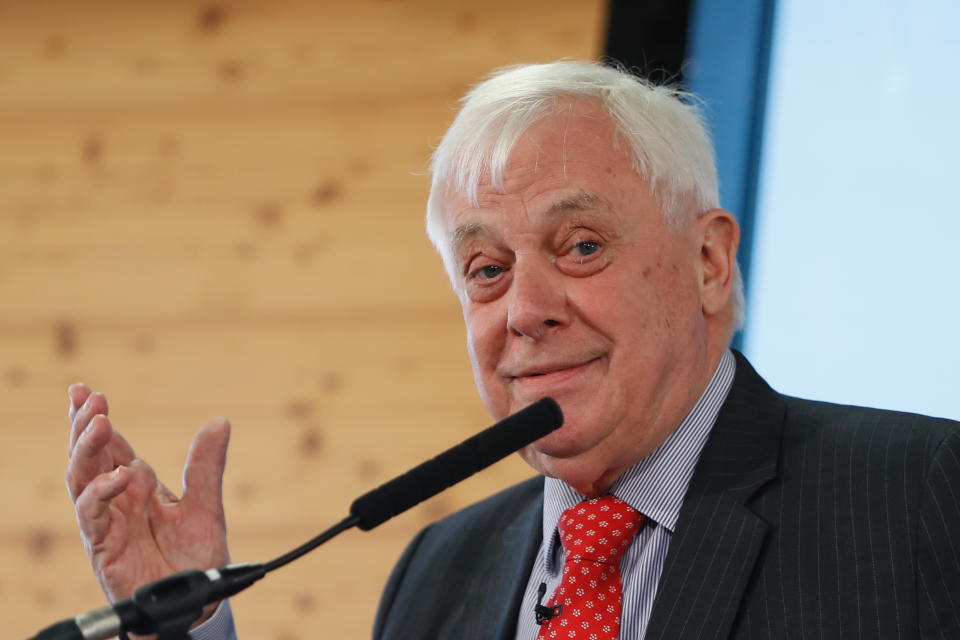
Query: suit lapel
497, 591
718, 538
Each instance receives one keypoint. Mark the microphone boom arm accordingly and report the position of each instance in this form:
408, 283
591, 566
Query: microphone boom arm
167, 607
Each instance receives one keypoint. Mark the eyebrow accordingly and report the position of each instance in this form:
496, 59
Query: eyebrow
466, 232
579, 202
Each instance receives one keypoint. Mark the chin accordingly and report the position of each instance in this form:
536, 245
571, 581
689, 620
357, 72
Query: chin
571, 440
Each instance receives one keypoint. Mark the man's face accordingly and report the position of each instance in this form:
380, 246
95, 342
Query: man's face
573, 286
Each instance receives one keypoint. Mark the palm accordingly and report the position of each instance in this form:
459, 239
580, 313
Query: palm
152, 534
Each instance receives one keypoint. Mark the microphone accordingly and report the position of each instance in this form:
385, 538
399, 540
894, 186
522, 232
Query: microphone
168, 606
542, 613
450, 467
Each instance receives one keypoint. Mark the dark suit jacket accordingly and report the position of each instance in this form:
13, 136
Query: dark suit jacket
803, 520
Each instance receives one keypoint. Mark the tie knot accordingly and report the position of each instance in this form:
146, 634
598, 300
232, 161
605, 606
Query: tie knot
599, 529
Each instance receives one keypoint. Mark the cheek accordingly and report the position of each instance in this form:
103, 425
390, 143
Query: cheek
486, 339
617, 304
484, 343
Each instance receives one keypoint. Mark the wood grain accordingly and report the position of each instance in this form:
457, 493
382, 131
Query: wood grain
217, 209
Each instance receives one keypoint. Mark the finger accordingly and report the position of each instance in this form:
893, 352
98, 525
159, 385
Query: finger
87, 460
95, 404
120, 450
203, 472
145, 484
77, 393
93, 504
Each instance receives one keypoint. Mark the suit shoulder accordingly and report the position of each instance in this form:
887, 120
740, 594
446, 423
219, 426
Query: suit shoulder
896, 435
845, 416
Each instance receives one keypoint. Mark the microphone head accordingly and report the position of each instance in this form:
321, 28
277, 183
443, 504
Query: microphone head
478, 452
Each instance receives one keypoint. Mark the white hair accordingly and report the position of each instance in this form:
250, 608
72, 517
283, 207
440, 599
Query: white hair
663, 126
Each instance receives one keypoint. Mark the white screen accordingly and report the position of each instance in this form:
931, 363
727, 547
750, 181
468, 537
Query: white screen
854, 287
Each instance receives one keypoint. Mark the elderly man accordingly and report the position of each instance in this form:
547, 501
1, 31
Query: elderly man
576, 210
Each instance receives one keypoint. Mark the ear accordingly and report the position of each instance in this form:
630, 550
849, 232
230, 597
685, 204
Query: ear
719, 235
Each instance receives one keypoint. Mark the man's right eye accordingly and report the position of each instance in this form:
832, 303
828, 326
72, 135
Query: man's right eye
486, 282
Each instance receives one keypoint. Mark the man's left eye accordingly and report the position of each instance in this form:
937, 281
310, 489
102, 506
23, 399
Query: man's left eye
489, 272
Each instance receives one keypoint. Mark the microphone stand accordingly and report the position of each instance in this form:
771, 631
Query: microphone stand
169, 606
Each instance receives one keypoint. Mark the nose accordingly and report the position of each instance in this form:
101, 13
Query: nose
537, 301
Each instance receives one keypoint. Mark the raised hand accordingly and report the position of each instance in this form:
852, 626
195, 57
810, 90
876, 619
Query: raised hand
134, 529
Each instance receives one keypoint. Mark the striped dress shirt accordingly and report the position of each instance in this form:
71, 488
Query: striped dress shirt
655, 487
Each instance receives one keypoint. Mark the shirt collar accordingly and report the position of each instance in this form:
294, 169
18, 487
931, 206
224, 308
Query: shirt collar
656, 485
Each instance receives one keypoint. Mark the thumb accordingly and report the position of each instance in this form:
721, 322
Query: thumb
203, 471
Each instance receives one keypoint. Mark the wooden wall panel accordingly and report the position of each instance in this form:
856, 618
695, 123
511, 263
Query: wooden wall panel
217, 209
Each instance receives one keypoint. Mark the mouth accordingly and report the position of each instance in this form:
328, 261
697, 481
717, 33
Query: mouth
552, 371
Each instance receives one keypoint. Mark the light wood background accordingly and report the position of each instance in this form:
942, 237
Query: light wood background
217, 209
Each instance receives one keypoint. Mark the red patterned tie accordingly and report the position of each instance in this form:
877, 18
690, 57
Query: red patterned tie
594, 534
